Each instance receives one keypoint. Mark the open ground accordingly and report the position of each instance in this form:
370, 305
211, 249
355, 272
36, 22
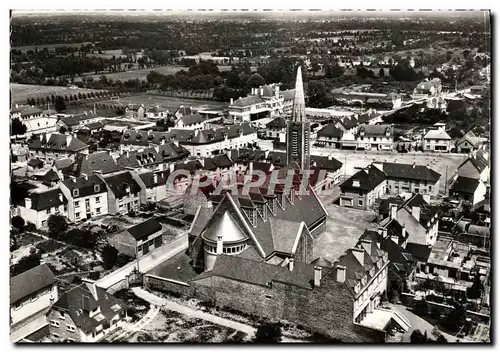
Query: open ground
21, 92
170, 103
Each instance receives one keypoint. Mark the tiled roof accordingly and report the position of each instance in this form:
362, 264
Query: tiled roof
73, 302
45, 200
284, 234
375, 130
479, 162
88, 164
419, 251
172, 152
218, 161
30, 282
437, 134
248, 101
119, 182
279, 122
411, 172
325, 163
464, 185
191, 166
144, 229
27, 110
148, 178
226, 226
57, 142
320, 261
330, 130
194, 119
368, 179
140, 158
86, 187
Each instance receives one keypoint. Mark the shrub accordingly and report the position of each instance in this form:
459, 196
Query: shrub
109, 256
421, 307
18, 222
57, 225
268, 333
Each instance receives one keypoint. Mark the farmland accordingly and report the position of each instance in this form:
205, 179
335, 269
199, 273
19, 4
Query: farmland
170, 103
21, 92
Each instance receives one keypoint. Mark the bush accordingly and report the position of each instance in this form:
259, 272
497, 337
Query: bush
422, 308
109, 256
95, 275
418, 337
57, 225
268, 333
25, 264
18, 222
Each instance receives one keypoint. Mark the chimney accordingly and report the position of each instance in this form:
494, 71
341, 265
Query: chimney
219, 244
393, 210
68, 141
73, 179
359, 253
414, 164
231, 101
60, 175
61, 197
330, 157
85, 303
261, 91
317, 276
384, 233
367, 245
155, 178
403, 230
395, 239
162, 142
27, 203
355, 183
86, 177
415, 212
127, 153
340, 273
290, 263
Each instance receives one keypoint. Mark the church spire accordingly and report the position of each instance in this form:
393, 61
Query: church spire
299, 105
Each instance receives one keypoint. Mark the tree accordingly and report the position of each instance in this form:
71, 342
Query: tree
417, 337
25, 263
455, 319
109, 256
18, 222
255, 81
476, 289
441, 339
17, 128
14, 233
57, 225
422, 308
268, 333
60, 104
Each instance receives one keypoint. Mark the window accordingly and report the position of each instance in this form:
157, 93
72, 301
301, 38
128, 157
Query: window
77, 204
98, 210
360, 193
65, 207
17, 305
76, 193
97, 199
61, 316
54, 323
360, 203
70, 328
97, 189
44, 222
417, 190
430, 188
48, 211
77, 215
55, 335
269, 296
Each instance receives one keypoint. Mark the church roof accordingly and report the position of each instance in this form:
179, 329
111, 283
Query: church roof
226, 226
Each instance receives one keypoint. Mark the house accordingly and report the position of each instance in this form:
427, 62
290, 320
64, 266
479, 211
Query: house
19, 153
328, 164
363, 188
101, 163
410, 178
138, 240
85, 313
437, 140
32, 293
156, 112
468, 189
468, 143
123, 193
50, 179
200, 198
475, 167
183, 111
147, 158
91, 128
87, 197
191, 122
39, 206
378, 137
135, 111
276, 127
330, 136
217, 167
35, 119
419, 220
153, 186
52, 146
426, 89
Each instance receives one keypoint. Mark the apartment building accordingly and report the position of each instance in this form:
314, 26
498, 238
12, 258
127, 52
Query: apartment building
363, 188
87, 197
123, 193
410, 178
53, 146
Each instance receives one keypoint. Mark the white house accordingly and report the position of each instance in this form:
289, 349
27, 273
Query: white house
437, 140
38, 206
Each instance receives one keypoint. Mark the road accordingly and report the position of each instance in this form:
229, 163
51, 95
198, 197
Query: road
146, 263
158, 301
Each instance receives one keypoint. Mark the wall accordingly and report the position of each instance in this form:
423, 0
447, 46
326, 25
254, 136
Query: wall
33, 304
411, 186
157, 283
354, 198
59, 326
479, 193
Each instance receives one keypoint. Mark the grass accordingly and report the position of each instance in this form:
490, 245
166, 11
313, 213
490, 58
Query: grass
140, 74
174, 327
28, 238
136, 306
21, 92
49, 246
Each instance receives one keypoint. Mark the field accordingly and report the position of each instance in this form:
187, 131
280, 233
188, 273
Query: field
170, 103
173, 327
50, 47
140, 74
21, 92
343, 228
359, 159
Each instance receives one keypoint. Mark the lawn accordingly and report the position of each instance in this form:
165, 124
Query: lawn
173, 327
170, 103
140, 74
21, 92
343, 229
27, 238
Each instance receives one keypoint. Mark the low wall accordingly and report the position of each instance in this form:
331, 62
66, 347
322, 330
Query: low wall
156, 283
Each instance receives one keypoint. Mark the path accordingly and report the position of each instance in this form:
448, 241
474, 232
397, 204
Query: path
129, 329
146, 263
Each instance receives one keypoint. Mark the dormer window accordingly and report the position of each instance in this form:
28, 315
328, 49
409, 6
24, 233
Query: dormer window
138, 137
126, 136
151, 137
76, 193
97, 188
